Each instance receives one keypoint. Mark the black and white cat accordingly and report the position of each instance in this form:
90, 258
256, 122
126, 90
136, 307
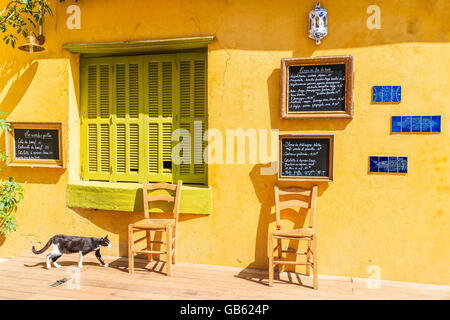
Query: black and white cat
62, 244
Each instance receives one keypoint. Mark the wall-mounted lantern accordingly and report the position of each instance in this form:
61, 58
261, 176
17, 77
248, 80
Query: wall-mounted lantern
317, 27
35, 43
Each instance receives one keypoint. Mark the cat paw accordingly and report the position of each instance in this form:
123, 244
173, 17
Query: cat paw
106, 265
81, 267
49, 267
57, 265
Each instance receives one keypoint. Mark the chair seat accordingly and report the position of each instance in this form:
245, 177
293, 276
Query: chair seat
294, 233
153, 223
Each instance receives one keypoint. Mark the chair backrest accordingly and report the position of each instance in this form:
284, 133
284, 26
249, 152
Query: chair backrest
289, 197
146, 187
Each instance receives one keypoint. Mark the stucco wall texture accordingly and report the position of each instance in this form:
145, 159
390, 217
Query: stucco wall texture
399, 223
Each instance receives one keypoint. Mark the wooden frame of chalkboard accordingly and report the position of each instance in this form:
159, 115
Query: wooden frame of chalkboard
316, 163
32, 144
336, 100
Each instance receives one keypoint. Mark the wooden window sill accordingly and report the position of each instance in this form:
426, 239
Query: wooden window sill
127, 197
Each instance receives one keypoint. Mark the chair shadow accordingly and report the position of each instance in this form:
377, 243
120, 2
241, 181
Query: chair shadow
262, 277
140, 264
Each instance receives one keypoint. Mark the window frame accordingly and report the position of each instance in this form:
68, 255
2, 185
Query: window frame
143, 119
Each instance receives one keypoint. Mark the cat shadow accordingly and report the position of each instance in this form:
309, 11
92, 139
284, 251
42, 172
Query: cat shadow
43, 264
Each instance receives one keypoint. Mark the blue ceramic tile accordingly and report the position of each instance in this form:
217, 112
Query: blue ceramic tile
406, 124
435, 123
393, 164
377, 94
396, 124
396, 93
415, 124
402, 164
426, 123
387, 94
373, 164
383, 164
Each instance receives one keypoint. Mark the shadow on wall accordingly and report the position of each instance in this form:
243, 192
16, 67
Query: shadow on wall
264, 189
15, 79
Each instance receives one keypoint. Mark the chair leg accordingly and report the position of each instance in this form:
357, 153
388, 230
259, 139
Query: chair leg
308, 259
130, 250
280, 248
174, 260
169, 251
149, 245
315, 267
270, 259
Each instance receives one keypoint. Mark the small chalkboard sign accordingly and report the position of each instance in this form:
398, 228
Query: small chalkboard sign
319, 87
35, 144
306, 157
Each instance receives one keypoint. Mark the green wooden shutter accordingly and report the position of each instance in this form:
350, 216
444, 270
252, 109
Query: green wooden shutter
192, 113
160, 93
127, 135
96, 79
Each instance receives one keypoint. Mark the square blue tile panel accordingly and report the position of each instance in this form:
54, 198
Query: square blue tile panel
396, 124
377, 94
435, 123
402, 164
373, 164
406, 124
396, 93
426, 123
383, 164
416, 123
387, 94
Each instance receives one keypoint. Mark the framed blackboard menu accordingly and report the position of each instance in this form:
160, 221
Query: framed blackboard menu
306, 157
319, 87
35, 144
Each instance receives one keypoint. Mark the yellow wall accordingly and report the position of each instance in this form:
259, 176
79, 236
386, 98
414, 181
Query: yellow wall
399, 223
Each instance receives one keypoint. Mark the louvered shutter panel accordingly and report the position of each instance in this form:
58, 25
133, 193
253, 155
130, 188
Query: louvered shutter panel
193, 114
127, 119
97, 99
160, 92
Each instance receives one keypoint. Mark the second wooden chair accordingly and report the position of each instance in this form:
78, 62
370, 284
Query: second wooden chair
290, 197
169, 226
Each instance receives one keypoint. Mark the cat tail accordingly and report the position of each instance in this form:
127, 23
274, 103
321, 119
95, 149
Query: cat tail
43, 249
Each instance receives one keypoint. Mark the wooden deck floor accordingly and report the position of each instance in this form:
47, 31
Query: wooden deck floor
26, 278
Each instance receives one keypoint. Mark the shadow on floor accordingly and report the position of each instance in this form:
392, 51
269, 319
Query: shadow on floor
262, 277
140, 264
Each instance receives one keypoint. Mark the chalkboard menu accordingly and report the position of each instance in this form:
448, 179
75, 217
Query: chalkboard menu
35, 144
306, 157
320, 87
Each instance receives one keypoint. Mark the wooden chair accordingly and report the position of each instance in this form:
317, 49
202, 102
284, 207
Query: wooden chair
289, 198
169, 226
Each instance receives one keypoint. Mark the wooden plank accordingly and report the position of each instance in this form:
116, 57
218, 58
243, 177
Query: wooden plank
161, 197
294, 190
22, 276
293, 203
161, 185
291, 262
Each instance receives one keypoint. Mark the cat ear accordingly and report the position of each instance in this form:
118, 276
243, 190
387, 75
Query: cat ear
106, 237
